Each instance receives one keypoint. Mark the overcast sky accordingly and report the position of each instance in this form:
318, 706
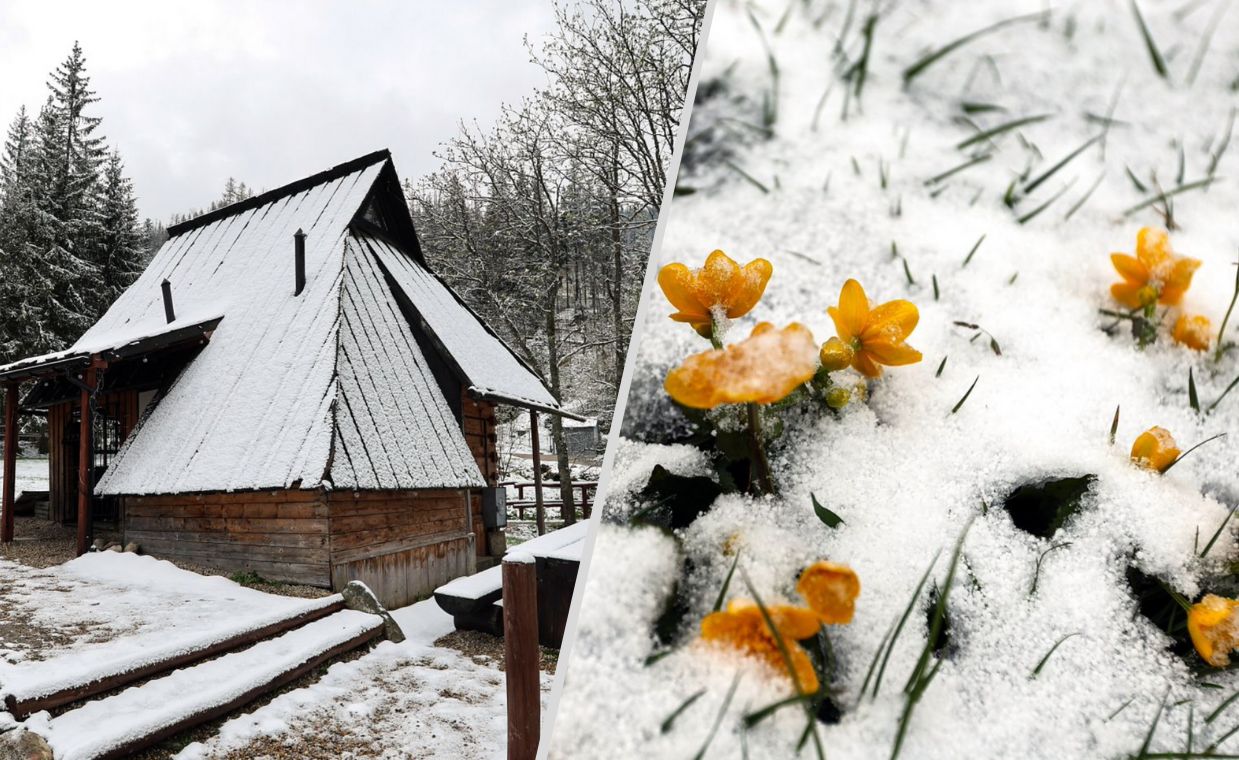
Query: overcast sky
270, 91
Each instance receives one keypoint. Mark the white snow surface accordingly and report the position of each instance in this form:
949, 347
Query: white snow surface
253, 409
903, 473
565, 543
106, 724
493, 370
411, 699
112, 612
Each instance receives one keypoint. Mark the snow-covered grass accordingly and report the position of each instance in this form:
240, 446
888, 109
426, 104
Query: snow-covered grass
827, 199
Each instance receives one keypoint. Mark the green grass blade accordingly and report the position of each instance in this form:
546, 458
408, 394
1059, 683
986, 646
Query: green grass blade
919, 67
1002, 128
1159, 63
1213, 540
1041, 178
670, 721
1044, 660
957, 406
722, 592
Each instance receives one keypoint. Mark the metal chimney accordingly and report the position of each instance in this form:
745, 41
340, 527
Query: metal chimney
299, 248
167, 302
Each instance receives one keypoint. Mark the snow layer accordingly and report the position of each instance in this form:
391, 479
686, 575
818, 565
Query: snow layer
565, 543
903, 473
111, 612
106, 724
253, 409
491, 367
394, 428
411, 699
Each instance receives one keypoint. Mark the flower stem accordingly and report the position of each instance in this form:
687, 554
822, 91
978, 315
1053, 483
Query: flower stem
764, 480
716, 334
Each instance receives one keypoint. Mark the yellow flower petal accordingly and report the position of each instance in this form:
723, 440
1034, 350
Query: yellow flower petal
1178, 280
1213, 625
1130, 268
864, 364
748, 285
741, 626
1155, 449
893, 318
762, 369
897, 355
1194, 332
852, 312
831, 590
1152, 247
1128, 293
720, 282
677, 282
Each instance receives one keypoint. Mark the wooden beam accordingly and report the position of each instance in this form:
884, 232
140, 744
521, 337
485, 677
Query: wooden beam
85, 465
10, 461
520, 654
539, 509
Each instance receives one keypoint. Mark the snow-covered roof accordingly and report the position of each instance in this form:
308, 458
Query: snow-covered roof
487, 366
114, 346
328, 385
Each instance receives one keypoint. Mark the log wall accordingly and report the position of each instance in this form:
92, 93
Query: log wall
477, 419
278, 534
402, 544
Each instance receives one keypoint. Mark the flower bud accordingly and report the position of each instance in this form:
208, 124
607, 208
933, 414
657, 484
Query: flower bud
838, 397
836, 355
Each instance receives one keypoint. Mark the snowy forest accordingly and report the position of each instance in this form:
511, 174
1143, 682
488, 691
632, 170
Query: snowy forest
544, 221
70, 237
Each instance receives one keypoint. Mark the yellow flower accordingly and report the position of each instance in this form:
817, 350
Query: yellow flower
1194, 332
761, 369
1155, 449
836, 355
875, 335
831, 591
741, 626
1213, 624
1154, 275
721, 285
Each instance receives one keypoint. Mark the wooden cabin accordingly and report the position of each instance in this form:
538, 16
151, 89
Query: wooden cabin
287, 389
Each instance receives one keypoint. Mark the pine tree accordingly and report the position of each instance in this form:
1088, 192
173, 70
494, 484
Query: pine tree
121, 244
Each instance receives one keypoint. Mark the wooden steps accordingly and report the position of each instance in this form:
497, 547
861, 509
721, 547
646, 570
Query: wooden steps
176, 694
22, 705
143, 715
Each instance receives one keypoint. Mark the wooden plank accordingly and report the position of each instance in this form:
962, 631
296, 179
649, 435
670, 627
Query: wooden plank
520, 657
21, 709
10, 462
397, 545
220, 710
301, 540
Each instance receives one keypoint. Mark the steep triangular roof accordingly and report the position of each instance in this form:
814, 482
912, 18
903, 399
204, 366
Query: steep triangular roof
292, 390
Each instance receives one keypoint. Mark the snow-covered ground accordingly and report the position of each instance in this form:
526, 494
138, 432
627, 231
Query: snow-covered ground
31, 474
89, 615
411, 699
827, 199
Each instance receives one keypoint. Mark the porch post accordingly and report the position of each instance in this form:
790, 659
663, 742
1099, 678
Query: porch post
85, 465
539, 511
10, 460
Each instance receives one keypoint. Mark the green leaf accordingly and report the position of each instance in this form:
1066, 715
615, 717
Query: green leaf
831, 519
1192, 399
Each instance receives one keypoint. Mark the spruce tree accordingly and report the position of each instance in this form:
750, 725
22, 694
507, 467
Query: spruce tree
121, 244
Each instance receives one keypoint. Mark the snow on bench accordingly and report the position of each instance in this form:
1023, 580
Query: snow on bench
138, 714
490, 581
